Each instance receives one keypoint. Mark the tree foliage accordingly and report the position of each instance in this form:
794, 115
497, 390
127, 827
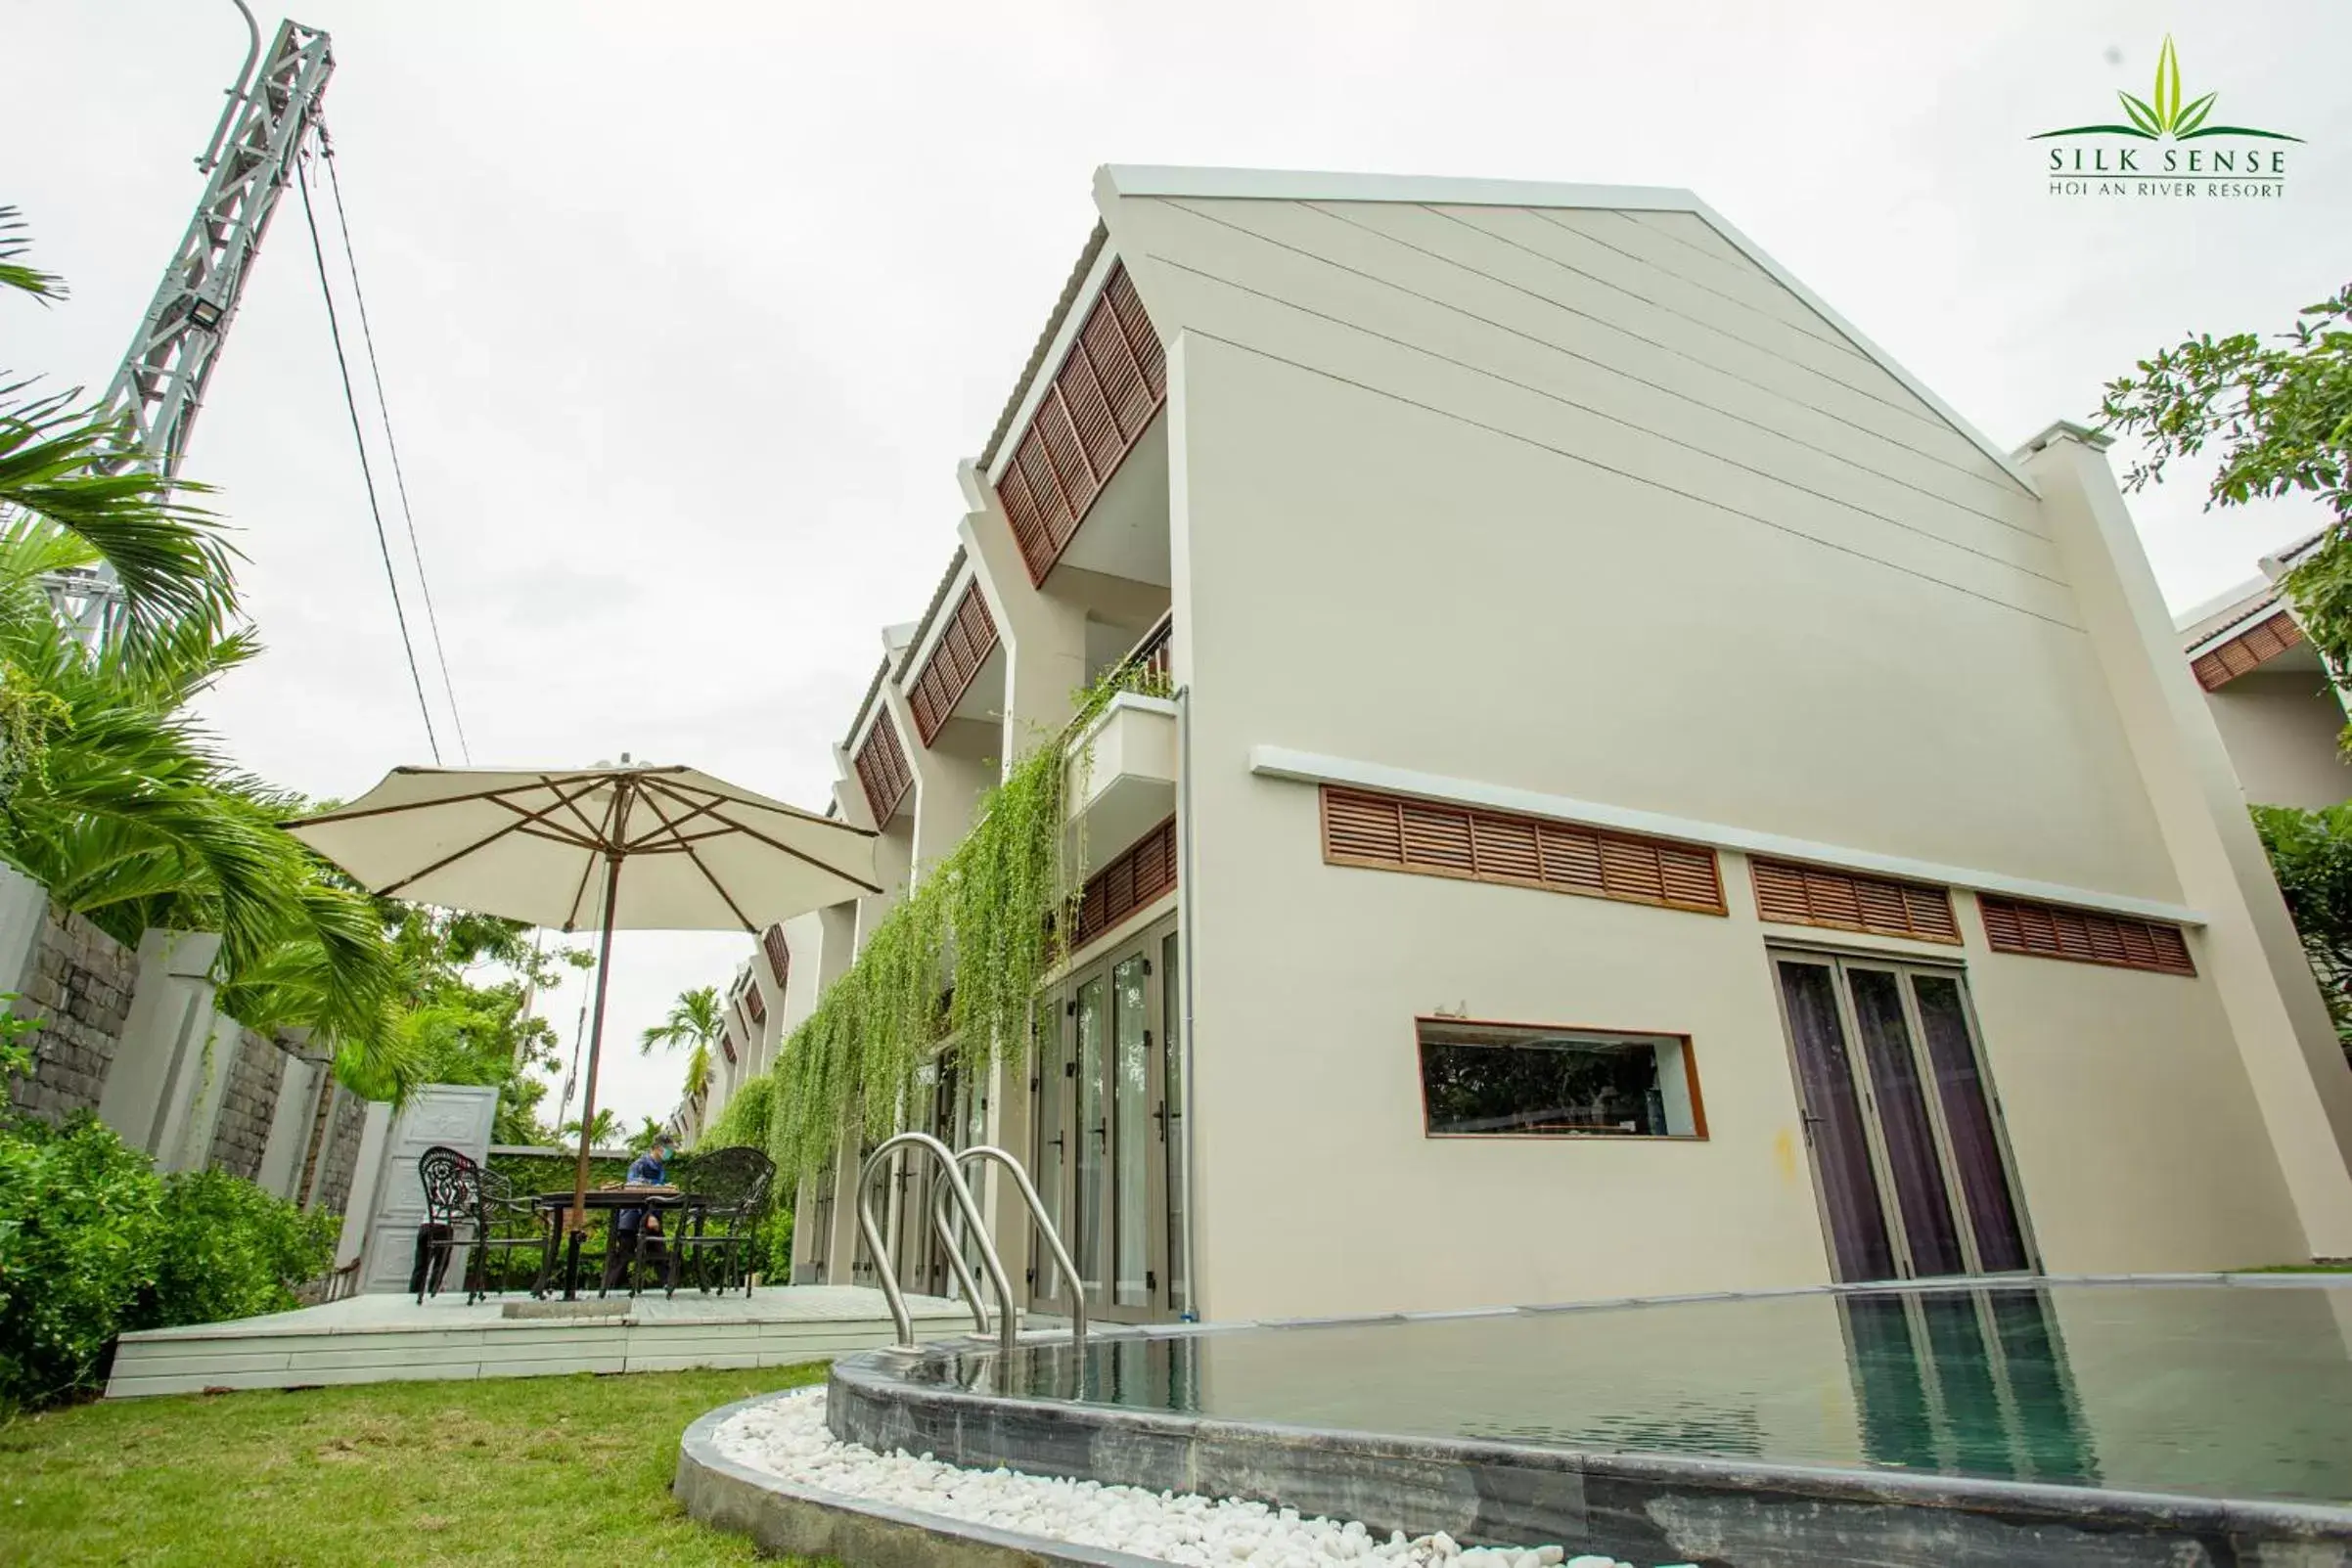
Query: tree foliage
2311, 855
2278, 414
695, 1023
959, 958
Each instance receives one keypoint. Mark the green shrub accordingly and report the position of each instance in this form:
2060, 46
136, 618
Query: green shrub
533, 1174
93, 1242
80, 1236
772, 1256
230, 1250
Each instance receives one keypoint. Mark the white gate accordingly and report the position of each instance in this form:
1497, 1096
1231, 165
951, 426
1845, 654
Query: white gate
455, 1115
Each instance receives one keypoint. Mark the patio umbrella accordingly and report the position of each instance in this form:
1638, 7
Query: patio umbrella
626, 848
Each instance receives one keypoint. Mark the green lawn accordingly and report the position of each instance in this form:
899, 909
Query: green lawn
547, 1471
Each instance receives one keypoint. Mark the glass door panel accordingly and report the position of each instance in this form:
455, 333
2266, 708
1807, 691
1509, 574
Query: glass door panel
1091, 1210
1048, 1156
1912, 1160
1834, 1123
1904, 1127
1131, 1141
1968, 1124
1171, 1118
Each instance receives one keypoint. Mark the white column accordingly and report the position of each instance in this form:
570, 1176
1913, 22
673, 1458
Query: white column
2250, 951
156, 1068
290, 1127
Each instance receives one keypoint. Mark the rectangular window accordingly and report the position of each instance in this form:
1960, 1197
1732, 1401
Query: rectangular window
1789, 894
2083, 937
1494, 1080
1399, 833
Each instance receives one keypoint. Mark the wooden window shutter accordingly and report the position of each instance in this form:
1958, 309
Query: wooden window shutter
881, 769
2249, 651
1136, 878
779, 956
1792, 894
963, 647
1094, 409
2083, 937
1397, 832
754, 1004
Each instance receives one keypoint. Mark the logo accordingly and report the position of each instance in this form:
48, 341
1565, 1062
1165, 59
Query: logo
2169, 149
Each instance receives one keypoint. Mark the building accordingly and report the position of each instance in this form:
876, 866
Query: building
2278, 712
1651, 800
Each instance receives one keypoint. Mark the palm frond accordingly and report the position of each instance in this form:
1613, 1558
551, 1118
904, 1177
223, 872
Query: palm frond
14, 272
60, 463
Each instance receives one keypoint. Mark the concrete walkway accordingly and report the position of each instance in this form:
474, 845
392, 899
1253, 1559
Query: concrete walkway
387, 1338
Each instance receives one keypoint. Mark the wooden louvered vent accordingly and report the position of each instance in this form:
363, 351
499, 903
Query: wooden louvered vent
1394, 832
1809, 895
2249, 651
755, 1005
963, 646
881, 769
1140, 874
779, 956
1097, 406
2083, 937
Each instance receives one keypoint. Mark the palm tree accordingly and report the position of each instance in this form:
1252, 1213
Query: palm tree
646, 1135
62, 463
695, 1022
604, 1129
114, 800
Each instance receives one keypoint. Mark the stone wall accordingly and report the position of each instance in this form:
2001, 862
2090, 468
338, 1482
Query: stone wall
247, 1105
78, 986
341, 1152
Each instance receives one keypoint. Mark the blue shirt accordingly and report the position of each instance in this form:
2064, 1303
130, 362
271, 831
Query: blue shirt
646, 1170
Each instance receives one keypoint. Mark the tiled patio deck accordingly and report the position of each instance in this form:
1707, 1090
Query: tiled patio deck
386, 1338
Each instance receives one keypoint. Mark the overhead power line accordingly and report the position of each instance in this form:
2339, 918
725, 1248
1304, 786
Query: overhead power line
383, 409
383, 546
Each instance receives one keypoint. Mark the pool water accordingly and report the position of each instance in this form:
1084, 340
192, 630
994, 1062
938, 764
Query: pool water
2240, 1390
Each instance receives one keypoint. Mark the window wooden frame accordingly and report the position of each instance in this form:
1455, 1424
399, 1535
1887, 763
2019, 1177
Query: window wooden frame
2247, 651
1097, 406
882, 771
1381, 831
2032, 929
780, 957
1791, 893
1127, 884
1698, 1105
954, 662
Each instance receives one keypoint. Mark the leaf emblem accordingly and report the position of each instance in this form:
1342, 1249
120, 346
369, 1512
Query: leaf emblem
2143, 115
2191, 118
2167, 109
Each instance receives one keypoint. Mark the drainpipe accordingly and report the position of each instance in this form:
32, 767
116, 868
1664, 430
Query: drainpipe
1190, 1312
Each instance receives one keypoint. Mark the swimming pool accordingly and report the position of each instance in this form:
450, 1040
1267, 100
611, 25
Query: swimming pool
2099, 1422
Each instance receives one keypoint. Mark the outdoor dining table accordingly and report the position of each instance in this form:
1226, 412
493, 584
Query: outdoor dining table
613, 1199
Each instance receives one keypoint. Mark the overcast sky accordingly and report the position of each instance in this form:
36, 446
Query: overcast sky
686, 313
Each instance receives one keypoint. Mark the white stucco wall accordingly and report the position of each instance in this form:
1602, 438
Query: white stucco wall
1584, 504
2281, 731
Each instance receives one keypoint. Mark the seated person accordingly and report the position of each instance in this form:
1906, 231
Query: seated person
637, 1232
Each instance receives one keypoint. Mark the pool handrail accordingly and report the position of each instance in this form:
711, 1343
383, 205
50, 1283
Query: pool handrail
1074, 1290
952, 1176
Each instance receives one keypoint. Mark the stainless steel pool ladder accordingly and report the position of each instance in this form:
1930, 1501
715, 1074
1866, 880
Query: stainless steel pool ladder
953, 1187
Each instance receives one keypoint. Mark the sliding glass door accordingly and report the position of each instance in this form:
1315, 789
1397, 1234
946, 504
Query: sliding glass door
1901, 1120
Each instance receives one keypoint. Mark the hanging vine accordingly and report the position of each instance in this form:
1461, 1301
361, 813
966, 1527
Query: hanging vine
962, 956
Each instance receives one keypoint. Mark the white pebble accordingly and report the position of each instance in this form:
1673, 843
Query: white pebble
787, 1437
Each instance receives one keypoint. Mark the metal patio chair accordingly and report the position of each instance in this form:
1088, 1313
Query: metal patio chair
727, 1197
452, 1184
505, 1223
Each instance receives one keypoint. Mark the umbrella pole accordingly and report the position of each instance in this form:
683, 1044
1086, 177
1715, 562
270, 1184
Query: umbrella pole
578, 1221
